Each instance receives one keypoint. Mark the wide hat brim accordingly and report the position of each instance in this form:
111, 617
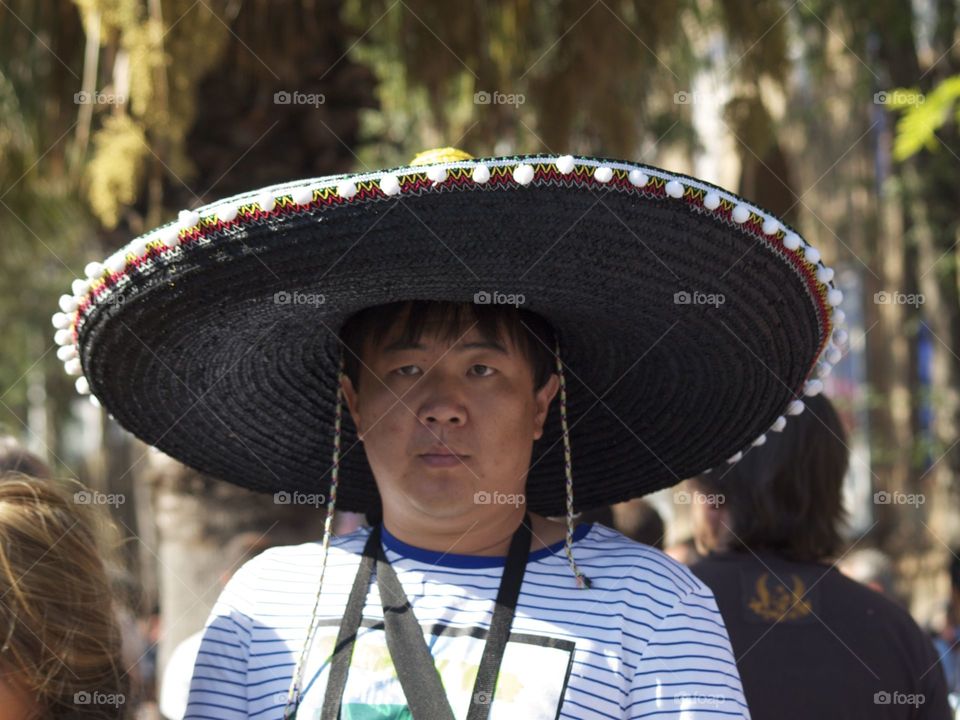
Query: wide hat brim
689, 320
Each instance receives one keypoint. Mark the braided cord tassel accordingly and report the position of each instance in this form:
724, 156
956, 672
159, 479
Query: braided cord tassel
583, 582
293, 695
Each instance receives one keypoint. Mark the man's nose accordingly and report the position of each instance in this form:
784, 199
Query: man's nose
443, 406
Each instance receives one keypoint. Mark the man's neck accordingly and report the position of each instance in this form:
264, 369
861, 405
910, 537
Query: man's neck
490, 539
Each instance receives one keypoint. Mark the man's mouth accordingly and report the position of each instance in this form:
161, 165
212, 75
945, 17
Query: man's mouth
442, 458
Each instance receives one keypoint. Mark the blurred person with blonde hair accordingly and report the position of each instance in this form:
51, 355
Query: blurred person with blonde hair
60, 643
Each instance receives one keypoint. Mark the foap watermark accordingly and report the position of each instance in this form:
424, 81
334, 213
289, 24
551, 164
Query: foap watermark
483, 697
498, 98
696, 297
687, 700
883, 497
685, 497
95, 697
688, 97
482, 497
298, 298
899, 98
97, 97
898, 298
299, 498
899, 698
94, 497
498, 298
286, 97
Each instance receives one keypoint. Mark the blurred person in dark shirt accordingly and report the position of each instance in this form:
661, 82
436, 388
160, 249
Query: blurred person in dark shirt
809, 642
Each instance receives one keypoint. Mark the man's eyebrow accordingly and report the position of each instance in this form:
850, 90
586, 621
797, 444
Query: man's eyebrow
399, 346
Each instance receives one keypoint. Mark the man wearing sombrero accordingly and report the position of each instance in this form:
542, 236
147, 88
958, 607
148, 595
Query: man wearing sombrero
447, 304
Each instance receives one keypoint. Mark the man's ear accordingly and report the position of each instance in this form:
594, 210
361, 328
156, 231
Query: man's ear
350, 395
543, 397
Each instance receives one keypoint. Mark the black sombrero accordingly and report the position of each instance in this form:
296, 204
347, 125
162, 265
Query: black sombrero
689, 321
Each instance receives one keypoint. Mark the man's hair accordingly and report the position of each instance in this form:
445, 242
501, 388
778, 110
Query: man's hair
530, 333
786, 496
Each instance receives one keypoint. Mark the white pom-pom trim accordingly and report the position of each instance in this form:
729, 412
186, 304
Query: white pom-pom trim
267, 202
674, 189
302, 195
812, 387
82, 385
825, 275
188, 219
565, 164
833, 355
791, 241
390, 185
795, 407
437, 174
840, 336
811, 254
93, 270
227, 213
60, 320
603, 174
66, 352
68, 303
638, 178
481, 173
735, 458
63, 337
80, 287
740, 214
834, 297
760, 440
823, 369
94, 401
523, 174
139, 247
170, 237
779, 424
116, 263
73, 367
711, 201
346, 189
839, 316
771, 226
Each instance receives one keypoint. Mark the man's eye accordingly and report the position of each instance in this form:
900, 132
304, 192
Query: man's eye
402, 370
485, 367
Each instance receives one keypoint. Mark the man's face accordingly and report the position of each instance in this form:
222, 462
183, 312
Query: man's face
443, 423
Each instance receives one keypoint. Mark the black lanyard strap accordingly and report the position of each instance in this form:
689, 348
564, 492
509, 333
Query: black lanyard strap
411, 656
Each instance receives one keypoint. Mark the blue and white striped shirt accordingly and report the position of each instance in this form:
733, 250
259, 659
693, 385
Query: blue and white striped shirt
646, 641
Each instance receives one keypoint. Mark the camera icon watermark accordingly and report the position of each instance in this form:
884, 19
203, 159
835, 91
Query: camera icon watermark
498, 298
286, 97
696, 297
298, 298
899, 98
685, 497
898, 298
96, 97
283, 497
884, 497
94, 497
899, 698
482, 697
95, 697
689, 97
498, 98
483, 497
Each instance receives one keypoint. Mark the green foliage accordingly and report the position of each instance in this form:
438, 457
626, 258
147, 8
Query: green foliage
921, 116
